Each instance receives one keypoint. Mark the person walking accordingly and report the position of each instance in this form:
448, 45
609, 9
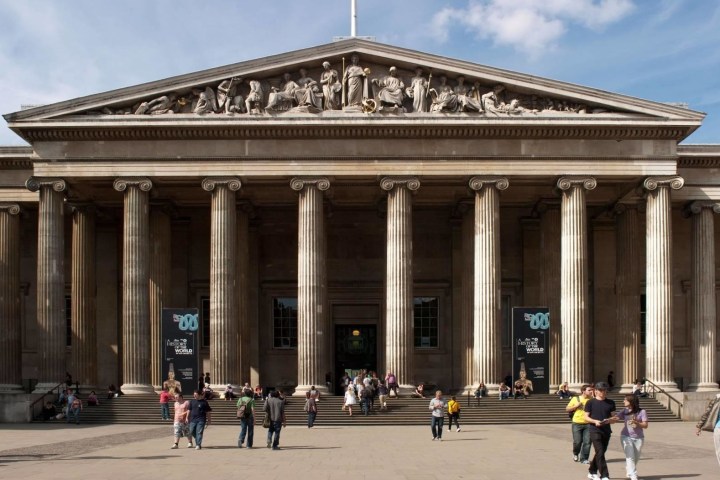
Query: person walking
246, 412
350, 399
382, 395
453, 408
599, 414
710, 420
180, 421
437, 415
275, 407
632, 436
310, 408
199, 417
165, 404
580, 428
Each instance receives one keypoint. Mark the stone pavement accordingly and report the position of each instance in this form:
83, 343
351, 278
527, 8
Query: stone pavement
58, 451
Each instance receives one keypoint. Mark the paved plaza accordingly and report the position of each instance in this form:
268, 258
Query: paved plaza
58, 451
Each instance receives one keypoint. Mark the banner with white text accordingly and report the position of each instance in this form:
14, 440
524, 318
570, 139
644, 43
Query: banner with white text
180, 356
531, 342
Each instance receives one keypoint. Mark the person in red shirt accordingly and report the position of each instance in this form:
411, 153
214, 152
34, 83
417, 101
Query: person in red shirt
164, 404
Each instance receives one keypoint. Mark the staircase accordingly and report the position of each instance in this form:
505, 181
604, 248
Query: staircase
144, 409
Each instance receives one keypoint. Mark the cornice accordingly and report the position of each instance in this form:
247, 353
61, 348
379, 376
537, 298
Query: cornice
365, 130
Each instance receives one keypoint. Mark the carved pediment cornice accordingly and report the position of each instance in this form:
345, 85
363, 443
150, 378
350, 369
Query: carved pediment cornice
369, 131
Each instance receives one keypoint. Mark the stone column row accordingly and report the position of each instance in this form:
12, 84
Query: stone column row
10, 324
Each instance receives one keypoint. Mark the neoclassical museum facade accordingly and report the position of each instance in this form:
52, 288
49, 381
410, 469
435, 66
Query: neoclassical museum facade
358, 205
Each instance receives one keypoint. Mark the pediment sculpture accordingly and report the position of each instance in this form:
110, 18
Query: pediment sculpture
359, 89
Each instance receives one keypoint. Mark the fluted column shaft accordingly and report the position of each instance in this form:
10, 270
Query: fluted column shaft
312, 284
466, 328
159, 286
50, 282
399, 346
10, 324
627, 293
574, 286
659, 341
223, 293
83, 292
550, 247
487, 284
703, 306
135, 294
242, 276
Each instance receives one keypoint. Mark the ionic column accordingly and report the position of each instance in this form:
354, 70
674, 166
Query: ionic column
659, 340
10, 324
83, 292
135, 294
159, 286
467, 300
574, 280
487, 285
550, 247
627, 293
313, 328
223, 298
702, 293
243, 292
50, 282
399, 280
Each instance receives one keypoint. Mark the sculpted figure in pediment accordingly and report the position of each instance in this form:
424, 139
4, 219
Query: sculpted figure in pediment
390, 93
466, 103
493, 102
158, 106
205, 101
354, 81
330, 86
283, 98
443, 97
228, 98
254, 99
418, 91
308, 93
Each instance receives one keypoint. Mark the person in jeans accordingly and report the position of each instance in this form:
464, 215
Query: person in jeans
247, 421
199, 417
310, 408
632, 435
580, 428
453, 408
165, 404
275, 407
437, 415
599, 414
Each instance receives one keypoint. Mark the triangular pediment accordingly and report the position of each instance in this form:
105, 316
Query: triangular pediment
456, 89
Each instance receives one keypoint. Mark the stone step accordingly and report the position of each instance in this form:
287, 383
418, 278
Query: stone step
144, 409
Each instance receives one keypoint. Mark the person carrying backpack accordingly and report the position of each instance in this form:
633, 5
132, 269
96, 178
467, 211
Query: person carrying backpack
580, 428
246, 410
453, 408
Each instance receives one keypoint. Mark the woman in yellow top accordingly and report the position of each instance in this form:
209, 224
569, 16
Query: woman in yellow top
453, 413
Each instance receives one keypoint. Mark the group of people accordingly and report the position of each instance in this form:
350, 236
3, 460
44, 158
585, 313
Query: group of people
438, 408
365, 388
592, 415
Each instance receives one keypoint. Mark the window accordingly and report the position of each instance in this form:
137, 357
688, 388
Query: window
425, 318
285, 322
205, 327
68, 321
643, 318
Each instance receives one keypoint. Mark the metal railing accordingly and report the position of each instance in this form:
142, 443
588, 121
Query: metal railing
41, 400
651, 389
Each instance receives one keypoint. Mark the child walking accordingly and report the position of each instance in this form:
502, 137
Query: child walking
632, 435
453, 413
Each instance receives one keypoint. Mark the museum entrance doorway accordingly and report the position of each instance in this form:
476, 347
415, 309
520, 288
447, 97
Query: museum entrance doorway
355, 349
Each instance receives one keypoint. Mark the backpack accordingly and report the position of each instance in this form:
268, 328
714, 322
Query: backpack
243, 411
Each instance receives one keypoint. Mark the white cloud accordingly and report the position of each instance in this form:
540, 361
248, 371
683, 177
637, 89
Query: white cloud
530, 26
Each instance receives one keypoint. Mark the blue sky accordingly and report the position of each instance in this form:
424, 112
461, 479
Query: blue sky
660, 50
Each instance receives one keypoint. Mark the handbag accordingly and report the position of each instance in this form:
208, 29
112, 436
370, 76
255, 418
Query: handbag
712, 419
266, 420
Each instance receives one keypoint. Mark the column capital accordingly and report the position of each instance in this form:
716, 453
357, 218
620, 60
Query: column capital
34, 183
321, 183
652, 183
81, 206
566, 183
11, 208
143, 183
232, 183
411, 183
697, 207
478, 182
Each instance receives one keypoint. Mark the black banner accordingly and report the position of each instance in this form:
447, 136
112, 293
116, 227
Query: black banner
180, 349
531, 342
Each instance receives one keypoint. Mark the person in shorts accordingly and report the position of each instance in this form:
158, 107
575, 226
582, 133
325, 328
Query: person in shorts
180, 421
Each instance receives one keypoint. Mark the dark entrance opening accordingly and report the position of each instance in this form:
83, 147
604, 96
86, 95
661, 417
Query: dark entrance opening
355, 349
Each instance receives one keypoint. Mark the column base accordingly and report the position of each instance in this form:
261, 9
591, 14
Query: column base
300, 390
703, 387
626, 388
136, 388
45, 387
11, 388
670, 387
575, 387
